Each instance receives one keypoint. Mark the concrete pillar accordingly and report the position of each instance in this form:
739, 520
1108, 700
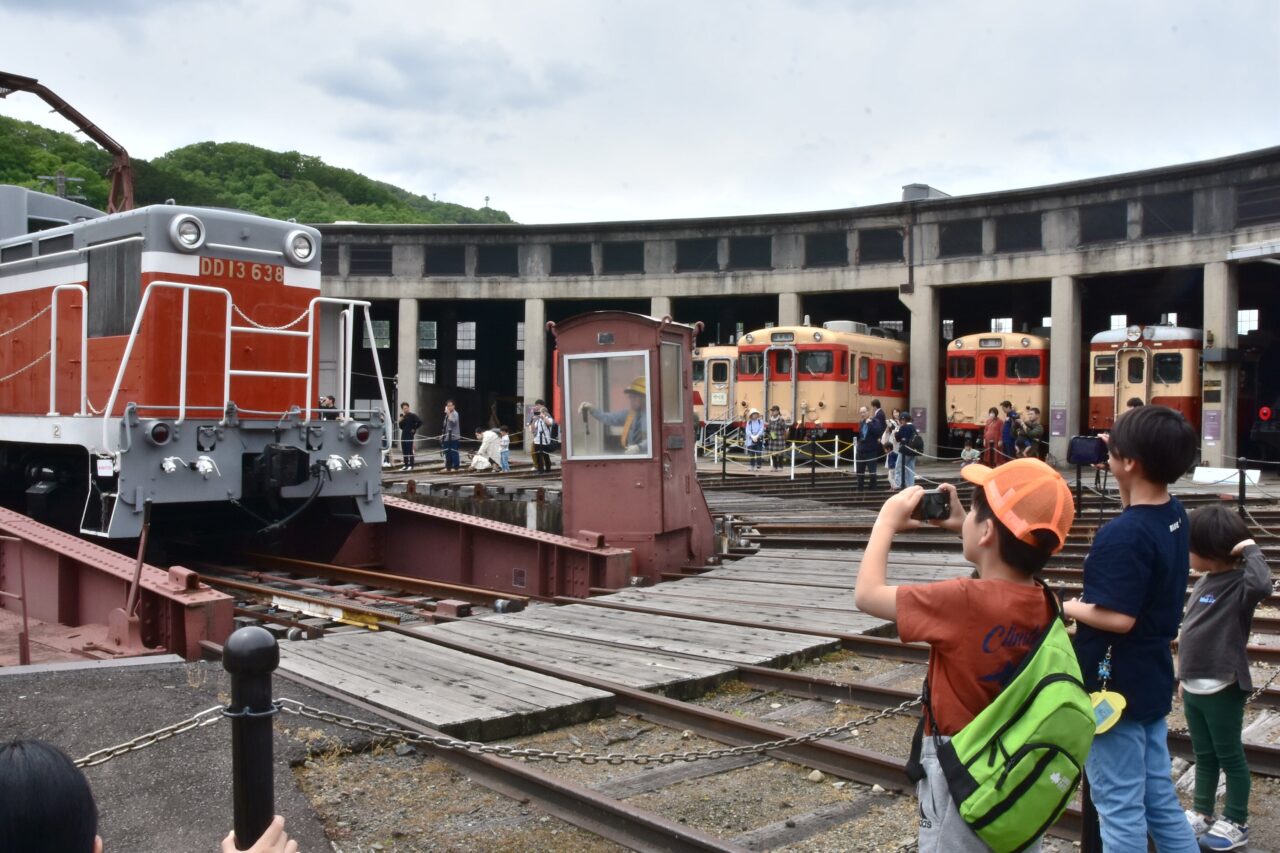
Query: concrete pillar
926, 338
1218, 446
407, 359
789, 309
660, 306
1064, 417
535, 351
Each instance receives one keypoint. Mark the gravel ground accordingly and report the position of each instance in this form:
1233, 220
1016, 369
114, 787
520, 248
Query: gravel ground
381, 799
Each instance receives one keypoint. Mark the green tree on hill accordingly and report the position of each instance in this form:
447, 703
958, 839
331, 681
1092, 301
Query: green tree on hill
279, 184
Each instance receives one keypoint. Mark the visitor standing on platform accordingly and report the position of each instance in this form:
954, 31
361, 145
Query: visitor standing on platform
540, 430
909, 447
870, 432
991, 438
753, 437
409, 424
1135, 585
776, 437
504, 446
451, 438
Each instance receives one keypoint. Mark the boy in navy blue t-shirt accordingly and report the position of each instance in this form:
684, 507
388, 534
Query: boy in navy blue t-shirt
1135, 583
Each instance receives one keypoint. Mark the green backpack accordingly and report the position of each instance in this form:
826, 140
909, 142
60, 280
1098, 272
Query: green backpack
1013, 769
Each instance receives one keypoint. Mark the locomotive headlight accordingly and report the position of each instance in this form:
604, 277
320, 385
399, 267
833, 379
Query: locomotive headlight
186, 232
159, 433
817, 336
750, 338
959, 344
361, 434
1026, 342
299, 246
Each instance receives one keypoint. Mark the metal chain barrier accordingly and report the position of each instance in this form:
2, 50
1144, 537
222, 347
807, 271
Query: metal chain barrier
293, 706
204, 718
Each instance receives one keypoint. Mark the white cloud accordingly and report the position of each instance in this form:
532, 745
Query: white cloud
576, 110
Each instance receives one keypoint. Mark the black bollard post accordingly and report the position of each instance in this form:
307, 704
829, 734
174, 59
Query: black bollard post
251, 655
724, 459
1240, 462
813, 463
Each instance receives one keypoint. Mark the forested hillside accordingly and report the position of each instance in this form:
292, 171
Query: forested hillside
228, 174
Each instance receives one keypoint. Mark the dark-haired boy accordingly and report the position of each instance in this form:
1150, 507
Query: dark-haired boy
1135, 581
978, 629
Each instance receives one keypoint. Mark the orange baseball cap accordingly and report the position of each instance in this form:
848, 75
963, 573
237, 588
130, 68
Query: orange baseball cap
1026, 495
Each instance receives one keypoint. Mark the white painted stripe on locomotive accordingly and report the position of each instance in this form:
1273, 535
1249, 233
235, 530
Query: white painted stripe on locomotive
38, 279
175, 263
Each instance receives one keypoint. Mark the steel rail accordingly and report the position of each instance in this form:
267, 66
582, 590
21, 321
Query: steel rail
352, 613
628, 825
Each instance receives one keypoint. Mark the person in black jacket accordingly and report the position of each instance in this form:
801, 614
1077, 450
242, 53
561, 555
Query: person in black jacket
870, 432
409, 425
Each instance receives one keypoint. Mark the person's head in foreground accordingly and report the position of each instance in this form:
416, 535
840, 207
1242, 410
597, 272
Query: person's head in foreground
45, 801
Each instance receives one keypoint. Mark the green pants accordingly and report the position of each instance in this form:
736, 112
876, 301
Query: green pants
1215, 720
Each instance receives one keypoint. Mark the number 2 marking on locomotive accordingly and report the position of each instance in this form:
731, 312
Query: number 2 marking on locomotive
57, 431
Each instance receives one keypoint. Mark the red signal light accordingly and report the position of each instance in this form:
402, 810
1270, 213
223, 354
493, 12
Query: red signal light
1264, 414
362, 433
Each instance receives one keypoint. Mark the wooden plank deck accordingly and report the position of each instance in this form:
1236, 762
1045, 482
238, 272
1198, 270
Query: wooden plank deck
463, 695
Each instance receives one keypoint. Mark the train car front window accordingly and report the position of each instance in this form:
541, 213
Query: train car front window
1137, 367
817, 362
1167, 368
1022, 367
720, 371
961, 367
608, 406
1104, 370
991, 368
750, 363
781, 363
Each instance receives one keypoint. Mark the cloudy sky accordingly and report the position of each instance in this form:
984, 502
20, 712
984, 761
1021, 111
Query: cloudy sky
581, 110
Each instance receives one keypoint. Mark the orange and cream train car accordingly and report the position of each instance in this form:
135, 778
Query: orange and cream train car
714, 371
985, 370
821, 374
1159, 365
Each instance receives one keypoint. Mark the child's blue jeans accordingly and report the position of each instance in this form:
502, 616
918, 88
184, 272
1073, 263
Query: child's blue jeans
506, 460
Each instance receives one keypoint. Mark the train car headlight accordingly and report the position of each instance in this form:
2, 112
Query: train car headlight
1264, 414
159, 433
1026, 342
186, 232
817, 336
299, 246
959, 344
750, 338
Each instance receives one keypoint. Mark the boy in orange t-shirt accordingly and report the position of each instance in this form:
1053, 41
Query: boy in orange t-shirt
978, 629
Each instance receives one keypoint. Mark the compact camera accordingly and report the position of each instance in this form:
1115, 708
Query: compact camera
934, 505
1087, 450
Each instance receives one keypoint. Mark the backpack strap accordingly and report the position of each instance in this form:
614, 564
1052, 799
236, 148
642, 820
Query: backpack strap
914, 769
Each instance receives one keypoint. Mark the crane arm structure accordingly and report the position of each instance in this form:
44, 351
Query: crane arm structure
121, 171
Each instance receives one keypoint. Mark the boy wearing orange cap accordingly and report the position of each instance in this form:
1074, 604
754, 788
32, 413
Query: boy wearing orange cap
978, 629
1135, 584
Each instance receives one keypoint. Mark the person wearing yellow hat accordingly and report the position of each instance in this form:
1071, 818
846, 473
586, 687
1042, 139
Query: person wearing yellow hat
979, 629
634, 419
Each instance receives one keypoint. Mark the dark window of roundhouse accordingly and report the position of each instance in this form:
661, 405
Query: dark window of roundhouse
1166, 214
750, 253
622, 256
371, 260
696, 255
1018, 232
879, 245
826, 249
328, 257
1102, 222
960, 238
115, 273
445, 260
571, 259
1258, 202
15, 253
53, 245
503, 259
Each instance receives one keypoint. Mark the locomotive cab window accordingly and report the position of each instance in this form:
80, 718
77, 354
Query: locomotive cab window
1166, 368
1104, 370
961, 367
991, 367
720, 371
1136, 369
1022, 367
816, 362
671, 359
750, 363
699, 370
781, 365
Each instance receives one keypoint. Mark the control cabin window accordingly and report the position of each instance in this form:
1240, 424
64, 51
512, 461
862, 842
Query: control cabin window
961, 367
699, 370
1104, 370
607, 406
720, 371
1166, 368
781, 364
671, 357
1137, 370
991, 367
1022, 367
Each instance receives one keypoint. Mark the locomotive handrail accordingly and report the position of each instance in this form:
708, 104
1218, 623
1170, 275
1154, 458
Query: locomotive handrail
186, 289
764, 375
84, 347
345, 359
